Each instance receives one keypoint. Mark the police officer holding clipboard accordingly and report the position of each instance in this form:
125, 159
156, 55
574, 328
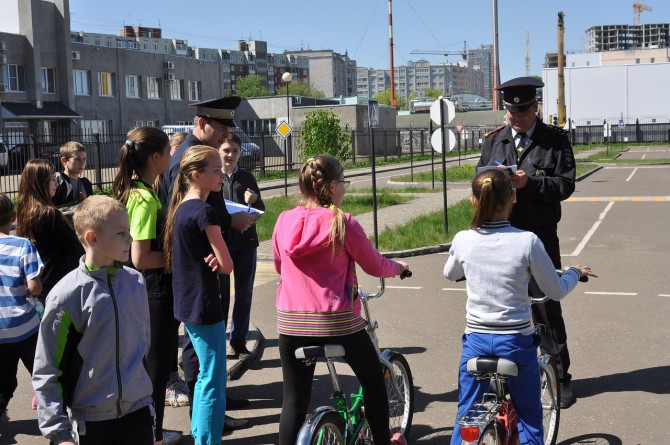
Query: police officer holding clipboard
545, 176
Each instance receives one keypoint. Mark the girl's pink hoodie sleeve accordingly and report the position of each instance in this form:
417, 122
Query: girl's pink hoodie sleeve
360, 248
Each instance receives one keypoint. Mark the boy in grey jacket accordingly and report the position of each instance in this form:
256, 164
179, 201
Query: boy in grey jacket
94, 338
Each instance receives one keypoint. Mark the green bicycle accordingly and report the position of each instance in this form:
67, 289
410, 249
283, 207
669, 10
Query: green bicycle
344, 422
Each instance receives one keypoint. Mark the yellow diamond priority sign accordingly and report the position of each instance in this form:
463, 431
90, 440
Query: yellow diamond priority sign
284, 129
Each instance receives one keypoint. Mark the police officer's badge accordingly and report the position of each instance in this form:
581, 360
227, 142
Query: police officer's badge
540, 173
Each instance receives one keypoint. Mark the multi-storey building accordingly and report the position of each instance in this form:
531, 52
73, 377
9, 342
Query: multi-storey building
330, 72
482, 59
413, 78
54, 80
623, 37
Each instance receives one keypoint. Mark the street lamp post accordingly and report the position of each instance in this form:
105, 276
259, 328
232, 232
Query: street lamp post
287, 77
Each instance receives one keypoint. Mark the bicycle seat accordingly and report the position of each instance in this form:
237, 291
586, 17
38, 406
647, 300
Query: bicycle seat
322, 351
492, 365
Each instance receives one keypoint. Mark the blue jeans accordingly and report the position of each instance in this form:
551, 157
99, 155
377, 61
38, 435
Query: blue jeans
209, 397
244, 262
525, 388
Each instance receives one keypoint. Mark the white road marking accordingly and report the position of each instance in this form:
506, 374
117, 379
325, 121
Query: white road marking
631, 175
664, 295
590, 233
453, 288
643, 156
612, 293
405, 287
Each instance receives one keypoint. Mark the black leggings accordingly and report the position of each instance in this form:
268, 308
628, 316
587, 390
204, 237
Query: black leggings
162, 350
360, 354
136, 428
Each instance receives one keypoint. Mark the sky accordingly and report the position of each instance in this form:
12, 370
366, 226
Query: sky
360, 27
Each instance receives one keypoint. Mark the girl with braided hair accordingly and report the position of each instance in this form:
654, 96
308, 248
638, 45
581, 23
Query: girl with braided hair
316, 247
498, 261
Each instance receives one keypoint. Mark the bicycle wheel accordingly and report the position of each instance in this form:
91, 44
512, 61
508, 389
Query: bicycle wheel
329, 430
550, 396
493, 434
401, 408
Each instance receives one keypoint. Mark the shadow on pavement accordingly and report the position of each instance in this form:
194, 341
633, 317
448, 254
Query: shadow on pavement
593, 439
12, 428
652, 380
425, 434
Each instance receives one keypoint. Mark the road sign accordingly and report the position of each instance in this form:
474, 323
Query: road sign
373, 113
436, 140
284, 129
458, 128
449, 110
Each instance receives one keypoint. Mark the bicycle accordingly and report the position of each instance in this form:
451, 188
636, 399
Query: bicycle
494, 420
344, 421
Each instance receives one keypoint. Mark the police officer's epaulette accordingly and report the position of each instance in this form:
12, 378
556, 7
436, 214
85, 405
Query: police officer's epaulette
559, 130
493, 131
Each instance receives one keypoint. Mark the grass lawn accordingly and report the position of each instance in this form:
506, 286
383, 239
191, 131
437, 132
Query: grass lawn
428, 230
354, 204
464, 173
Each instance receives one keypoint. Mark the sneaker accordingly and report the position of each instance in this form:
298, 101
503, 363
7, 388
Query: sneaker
398, 439
567, 397
34, 403
176, 394
171, 437
231, 424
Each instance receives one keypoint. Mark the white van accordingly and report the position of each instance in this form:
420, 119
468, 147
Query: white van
250, 158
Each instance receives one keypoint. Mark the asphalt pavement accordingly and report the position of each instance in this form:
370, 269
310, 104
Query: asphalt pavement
615, 222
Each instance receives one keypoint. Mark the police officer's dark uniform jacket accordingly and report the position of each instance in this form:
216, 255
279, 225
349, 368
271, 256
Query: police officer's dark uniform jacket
548, 162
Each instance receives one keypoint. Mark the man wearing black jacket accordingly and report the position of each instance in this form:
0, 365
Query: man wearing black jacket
545, 177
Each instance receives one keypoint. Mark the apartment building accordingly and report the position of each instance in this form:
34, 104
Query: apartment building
330, 72
54, 80
624, 37
412, 78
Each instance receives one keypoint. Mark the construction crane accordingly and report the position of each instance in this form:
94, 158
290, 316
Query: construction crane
463, 53
637, 10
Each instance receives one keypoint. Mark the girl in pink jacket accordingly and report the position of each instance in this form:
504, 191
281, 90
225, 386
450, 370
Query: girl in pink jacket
316, 247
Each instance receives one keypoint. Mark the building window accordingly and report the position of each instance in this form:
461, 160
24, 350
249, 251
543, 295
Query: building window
176, 90
100, 127
106, 84
48, 80
82, 82
139, 124
653, 60
14, 77
133, 86
153, 87
637, 60
194, 90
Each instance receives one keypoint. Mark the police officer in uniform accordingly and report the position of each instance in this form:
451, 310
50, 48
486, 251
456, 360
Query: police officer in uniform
545, 177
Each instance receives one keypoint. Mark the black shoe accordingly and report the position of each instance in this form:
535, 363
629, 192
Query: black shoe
567, 397
231, 424
233, 404
242, 353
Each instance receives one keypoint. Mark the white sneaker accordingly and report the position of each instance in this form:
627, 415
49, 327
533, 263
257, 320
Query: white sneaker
176, 394
171, 437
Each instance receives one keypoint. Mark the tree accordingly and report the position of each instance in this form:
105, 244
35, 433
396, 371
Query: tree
302, 89
321, 134
252, 86
384, 97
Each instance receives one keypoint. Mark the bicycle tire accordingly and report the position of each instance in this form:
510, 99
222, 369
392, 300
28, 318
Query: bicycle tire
492, 434
401, 412
329, 430
550, 391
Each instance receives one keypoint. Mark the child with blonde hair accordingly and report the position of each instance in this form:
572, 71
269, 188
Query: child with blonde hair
89, 373
196, 253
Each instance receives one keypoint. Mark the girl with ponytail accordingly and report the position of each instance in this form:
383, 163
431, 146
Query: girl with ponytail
316, 247
498, 261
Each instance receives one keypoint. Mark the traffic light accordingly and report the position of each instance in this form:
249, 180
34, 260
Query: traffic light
554, 120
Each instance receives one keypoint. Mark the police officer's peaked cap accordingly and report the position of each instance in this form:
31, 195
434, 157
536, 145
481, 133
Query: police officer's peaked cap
519, 94
222, 109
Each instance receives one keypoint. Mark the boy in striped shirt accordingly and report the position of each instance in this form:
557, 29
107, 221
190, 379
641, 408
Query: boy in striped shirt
20, 267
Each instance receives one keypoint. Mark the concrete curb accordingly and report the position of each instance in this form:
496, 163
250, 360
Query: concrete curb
255, 340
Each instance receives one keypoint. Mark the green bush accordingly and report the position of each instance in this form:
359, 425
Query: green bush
321, 135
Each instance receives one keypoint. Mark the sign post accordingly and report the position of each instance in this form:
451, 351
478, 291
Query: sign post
443, 111
373, 120
284, 130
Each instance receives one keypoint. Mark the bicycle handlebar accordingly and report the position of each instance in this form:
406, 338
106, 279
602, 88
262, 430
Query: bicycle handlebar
382, 286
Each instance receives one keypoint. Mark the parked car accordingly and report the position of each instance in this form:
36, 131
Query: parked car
14, 158
250, 158
50, 152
